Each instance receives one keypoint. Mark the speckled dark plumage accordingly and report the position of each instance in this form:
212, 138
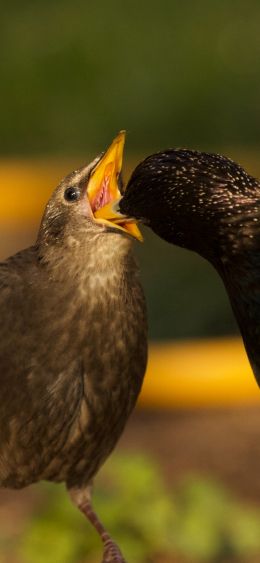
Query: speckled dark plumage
209, 204
72, 346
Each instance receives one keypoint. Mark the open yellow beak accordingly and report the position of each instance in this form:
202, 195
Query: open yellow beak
103, 191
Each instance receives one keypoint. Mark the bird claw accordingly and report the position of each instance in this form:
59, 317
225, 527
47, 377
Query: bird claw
112, 553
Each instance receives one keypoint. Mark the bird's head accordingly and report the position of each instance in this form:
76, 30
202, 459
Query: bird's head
196, 200
74, 213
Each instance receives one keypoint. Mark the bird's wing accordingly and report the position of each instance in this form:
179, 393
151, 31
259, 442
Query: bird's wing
36, 421
11, 270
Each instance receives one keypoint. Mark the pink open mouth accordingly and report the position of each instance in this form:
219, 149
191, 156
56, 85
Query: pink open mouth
103, 196
103, 190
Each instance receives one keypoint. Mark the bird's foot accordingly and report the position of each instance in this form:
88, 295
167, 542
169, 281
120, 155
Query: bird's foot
82, 499
112, 553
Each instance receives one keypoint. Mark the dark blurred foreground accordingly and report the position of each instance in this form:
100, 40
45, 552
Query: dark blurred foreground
194, 497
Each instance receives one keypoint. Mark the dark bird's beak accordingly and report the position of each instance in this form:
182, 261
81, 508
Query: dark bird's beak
103, 191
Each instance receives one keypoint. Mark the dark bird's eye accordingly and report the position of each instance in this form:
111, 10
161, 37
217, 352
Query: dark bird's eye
72, 194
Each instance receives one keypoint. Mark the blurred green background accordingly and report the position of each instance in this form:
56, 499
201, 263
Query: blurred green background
172, 74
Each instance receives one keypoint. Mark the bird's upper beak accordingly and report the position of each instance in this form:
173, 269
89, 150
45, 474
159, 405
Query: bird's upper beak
103, 191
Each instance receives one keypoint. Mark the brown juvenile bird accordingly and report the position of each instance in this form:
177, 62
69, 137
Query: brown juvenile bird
73, 342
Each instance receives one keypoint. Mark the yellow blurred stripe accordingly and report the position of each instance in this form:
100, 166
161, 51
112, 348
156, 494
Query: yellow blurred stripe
202, 373
25, 187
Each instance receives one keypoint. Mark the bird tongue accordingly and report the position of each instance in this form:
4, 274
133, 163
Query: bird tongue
104, 195
103, 191
102, 185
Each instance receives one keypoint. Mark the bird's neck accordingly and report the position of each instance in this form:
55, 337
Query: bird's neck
77, 263
89, 291
241, 277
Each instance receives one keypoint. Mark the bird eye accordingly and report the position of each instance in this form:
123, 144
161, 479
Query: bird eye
72, 194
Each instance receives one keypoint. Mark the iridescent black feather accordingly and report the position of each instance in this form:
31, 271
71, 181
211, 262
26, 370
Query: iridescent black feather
209, 204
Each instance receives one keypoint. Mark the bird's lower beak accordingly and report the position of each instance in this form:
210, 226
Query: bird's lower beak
103, 191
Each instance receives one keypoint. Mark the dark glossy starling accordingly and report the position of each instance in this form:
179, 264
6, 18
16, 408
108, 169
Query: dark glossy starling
209, 204
73, 340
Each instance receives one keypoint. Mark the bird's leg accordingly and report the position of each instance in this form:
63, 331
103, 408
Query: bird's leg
82, 499
112, 553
